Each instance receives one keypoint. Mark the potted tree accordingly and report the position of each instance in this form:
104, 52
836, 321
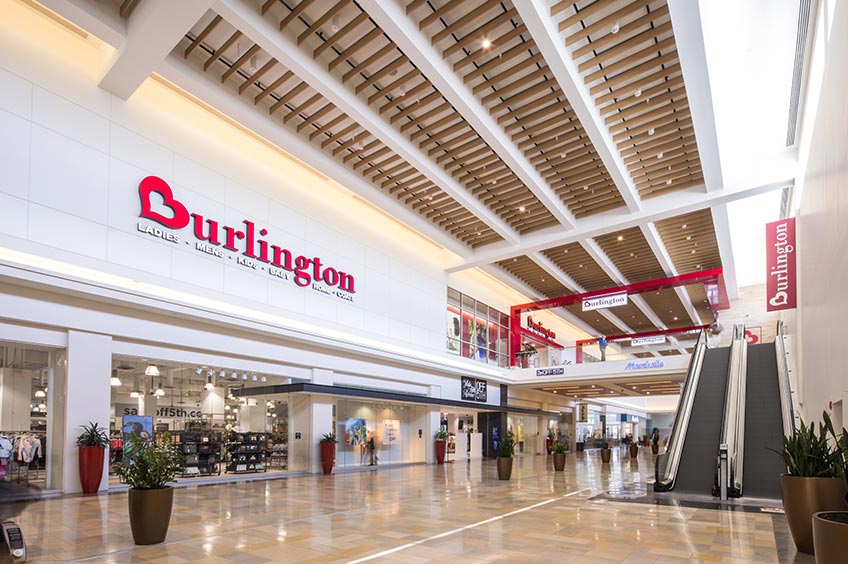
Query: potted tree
634, 449
655, 441
811, 483
559, 450
605, 452
441, 445
92, 443
147, 471
505, 447
328, 452
830, 528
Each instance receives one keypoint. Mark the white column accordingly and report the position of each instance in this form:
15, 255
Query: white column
87, 398
15, 399
322, 423
432, 424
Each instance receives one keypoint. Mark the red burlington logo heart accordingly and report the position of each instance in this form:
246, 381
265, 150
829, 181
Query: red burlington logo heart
156, 184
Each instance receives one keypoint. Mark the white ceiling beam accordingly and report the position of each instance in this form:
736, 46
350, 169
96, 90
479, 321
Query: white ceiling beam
154, 28
721, 222
670, 205
202, 87
247, 19
551, 43
392, 18
689, 36
652, 236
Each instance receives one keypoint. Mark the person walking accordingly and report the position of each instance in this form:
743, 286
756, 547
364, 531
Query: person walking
602, 344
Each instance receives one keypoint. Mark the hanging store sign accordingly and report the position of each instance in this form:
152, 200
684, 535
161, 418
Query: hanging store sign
474, 389
780, 264
550, 371
640, 341
244, 245
604, 302
582, 413
539, 329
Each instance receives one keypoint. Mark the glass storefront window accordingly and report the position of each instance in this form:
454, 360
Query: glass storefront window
475, 330
32, 403
376, 433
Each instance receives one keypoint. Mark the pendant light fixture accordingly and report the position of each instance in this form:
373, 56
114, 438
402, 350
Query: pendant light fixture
114, 381
209, 385
41, 391
136, 391
151, 370
159, 392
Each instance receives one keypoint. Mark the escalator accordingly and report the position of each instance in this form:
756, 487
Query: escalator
763, 424
700, 450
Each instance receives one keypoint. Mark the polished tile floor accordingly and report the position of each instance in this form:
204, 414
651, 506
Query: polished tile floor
458, 513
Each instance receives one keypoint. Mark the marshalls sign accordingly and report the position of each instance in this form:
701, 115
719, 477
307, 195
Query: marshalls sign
780, 264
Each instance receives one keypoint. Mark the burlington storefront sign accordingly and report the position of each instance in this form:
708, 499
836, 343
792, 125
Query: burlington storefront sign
539, 329
244, 244
780, 264
604, 302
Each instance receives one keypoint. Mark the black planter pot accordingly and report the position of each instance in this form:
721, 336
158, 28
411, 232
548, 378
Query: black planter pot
504, 468
559, 461
150, 514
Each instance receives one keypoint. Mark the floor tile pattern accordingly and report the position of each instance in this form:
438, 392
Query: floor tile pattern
457, 513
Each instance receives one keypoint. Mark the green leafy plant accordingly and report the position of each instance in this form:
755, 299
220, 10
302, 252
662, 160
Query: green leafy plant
506, 445
441, 435
841, 450
604, 445
559, 448
329, 438
808, 454
150, 467
93, 435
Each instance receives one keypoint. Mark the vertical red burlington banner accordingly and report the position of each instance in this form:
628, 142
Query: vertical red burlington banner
780, 264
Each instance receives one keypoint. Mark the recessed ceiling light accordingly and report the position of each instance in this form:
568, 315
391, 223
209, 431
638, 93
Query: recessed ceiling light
688, 237
593, 385
698, 266
615, 28
585, 187
521, 208
555, 391
694, 251
621, 237
565, 251
668, 182
649, 393
515, 260
675, 318
684, 226
579, 266
638, 92
651, 131
659, 155
486, 43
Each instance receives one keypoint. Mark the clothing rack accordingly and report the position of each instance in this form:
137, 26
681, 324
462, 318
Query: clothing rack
17, 469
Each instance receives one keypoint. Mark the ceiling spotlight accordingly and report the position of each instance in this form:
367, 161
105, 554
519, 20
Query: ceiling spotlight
615, 27
486, 43
668, 182
402, 90
252, 66
234, 375
159, 392
638, 92
335, 24
585, 187
521, 208
684, 226
693, 251
198, 370
562, 155
263, 379
244, 376
649, 393
651, 131
555, 391
675, 318
40, 393
254, 378
688, 237
114, 381
659, 155
151, 370
209, 385
621, 237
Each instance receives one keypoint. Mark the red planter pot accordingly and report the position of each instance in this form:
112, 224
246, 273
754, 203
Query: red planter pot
441, 447
328, 457
91, 468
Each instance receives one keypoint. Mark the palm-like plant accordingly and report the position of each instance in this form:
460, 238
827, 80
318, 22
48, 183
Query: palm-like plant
808, 454
840, 452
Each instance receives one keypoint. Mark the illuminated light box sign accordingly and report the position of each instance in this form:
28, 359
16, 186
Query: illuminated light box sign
780, 265
539, 329
243, 244
474, 389
550, 371
655, 340
604, 302
645, 364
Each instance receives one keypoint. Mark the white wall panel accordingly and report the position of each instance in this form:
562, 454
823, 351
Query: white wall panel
69, 119
66, 232
151, 157
14, 153
15, 94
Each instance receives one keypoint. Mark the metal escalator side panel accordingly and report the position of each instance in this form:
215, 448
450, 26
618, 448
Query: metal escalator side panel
733, 414
668, 462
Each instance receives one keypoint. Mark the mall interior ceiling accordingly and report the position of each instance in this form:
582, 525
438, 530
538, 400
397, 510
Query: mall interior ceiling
561, 147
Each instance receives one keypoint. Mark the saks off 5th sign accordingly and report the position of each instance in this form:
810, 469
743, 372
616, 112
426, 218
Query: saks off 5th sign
244, 243
780, 264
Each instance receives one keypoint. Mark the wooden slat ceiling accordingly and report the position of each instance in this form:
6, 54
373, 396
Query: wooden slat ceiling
627, 56
351, 46
618, 387
219, 49
511, 79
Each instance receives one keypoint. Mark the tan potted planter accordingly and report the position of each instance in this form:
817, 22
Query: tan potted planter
810, 486
147, 470
634, 450
505, 447
606, 452
830, 528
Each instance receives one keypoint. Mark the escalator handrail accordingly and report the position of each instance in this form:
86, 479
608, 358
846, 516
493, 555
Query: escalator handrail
733, 419
783, 381
684, 412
